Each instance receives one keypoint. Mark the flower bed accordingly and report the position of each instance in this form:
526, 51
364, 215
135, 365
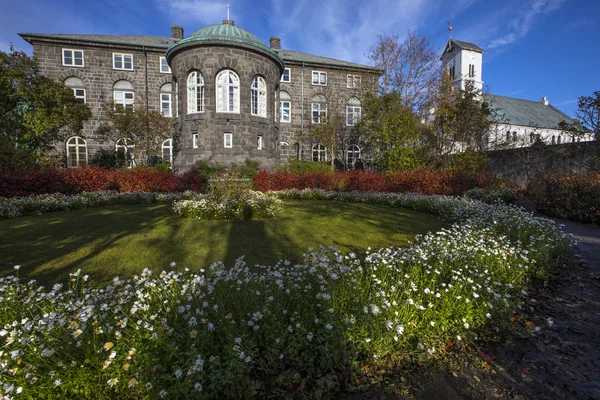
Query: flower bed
213, 334
574, 196
417, 181
92, 179
31, 205
249, 205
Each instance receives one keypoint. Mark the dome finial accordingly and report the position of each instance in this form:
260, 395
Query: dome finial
228, 21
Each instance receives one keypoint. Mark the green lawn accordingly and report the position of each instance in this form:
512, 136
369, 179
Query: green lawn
123, 240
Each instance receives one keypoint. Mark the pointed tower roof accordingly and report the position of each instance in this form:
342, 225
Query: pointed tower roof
462, 45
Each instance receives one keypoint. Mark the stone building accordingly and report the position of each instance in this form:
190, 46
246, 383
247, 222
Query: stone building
519, 122
232, 98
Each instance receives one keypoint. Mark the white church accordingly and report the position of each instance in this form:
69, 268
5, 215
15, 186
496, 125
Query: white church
520, 123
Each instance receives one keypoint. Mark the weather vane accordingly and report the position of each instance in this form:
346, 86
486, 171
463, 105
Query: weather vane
450, 29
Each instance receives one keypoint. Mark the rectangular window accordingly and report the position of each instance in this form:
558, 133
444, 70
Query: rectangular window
123, 100
471, 71
352, 115
165, 104
73, 57
259, 142
353, 81
228, 140
319, 78
123, 61
164, 66
452, 72
195, 140
319, 112
79, 95
285, 108
286, 75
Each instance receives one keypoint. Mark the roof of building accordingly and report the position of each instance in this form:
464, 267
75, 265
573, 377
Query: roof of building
299, 57
462, 45
131, 40
226, 32
526, 112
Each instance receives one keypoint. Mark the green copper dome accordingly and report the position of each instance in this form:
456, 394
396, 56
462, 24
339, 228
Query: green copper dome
226, 32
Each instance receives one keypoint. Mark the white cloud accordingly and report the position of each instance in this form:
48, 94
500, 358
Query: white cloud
344, 29
522, 22
201, 11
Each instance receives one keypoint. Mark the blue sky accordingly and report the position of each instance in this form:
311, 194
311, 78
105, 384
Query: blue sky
534, 48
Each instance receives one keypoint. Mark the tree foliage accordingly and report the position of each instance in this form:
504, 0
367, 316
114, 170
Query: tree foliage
144, 129
35, 112
330, 132
392, 129
410, 67
587, 117
461, 119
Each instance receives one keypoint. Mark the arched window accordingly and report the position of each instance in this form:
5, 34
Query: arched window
319, 152
195, 85
353, 110
167, 151
553, 139
507, 136
76, 85
514, 136
531, 138
285, 106
166, 97
258, 97
76, 152
319, 109
123, 95
559, 139
126, 146
228, 92
352, 154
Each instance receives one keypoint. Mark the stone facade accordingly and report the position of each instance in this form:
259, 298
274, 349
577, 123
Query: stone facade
242, 53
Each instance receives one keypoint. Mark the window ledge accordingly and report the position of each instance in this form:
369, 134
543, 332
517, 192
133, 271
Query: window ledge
194, 116
228, 116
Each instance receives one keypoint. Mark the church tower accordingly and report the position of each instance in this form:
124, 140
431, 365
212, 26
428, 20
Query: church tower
463, 60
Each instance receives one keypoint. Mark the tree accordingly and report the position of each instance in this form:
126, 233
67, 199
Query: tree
410, 68
587, 118
392, 129
461, 120
35, 112
329, 132
142, 129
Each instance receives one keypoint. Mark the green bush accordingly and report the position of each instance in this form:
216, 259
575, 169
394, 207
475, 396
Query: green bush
492, 196
304, 167
109, 158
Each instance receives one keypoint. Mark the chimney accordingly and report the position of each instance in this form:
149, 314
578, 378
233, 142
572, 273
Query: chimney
276, 43
544, 100
228, 22
177, 32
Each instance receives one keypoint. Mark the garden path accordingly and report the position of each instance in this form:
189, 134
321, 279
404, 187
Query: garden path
562, 358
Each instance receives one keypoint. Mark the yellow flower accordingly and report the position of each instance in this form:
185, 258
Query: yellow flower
126, 367
108, 345
132, 382
193, 333
211, 358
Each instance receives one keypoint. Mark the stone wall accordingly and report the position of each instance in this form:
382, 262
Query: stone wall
521, 165
210, 125
98, 77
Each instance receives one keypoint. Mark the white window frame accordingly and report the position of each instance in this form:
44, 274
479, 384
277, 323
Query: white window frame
77, 146
321, 152
282, 107
128, 149
354, 111
160, 68
227, 94
122, 55
259, 142
163, 101
352, 81
289, 75
195, 92
194, 140
170, 147
258, 97
321, 78
321, 109
79, 96
352, 150
73, 64
228, 140
123, 100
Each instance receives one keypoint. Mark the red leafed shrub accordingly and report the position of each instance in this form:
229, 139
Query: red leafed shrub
418, 181
574, 196
69, 181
